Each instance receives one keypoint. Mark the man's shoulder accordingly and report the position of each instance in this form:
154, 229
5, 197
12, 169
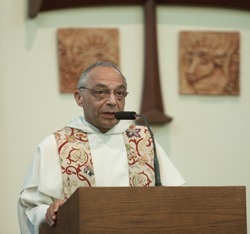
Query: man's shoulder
48, 140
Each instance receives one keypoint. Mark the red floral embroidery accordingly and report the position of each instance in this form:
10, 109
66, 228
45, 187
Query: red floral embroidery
76, 161
140, 156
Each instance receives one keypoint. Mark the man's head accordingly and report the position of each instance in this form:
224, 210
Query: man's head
101, 92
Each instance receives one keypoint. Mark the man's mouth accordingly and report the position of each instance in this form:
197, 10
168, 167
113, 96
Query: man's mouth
109, 114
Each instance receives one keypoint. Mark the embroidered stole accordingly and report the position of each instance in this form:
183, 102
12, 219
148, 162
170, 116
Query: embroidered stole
76, 161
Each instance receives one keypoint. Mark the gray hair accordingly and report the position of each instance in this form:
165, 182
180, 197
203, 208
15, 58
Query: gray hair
84, 78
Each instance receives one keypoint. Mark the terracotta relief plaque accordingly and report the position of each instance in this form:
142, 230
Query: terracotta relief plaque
79, 48
209, 62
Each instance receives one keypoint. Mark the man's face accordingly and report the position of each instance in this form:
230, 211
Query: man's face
99, 111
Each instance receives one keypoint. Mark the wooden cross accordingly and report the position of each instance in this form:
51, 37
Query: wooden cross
152, 105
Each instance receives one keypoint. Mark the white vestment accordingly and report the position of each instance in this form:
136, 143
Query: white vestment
43, 183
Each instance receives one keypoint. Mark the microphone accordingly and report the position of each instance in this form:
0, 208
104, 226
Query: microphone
125, 115
132, 116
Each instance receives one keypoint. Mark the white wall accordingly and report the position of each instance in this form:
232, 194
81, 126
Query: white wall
209, 137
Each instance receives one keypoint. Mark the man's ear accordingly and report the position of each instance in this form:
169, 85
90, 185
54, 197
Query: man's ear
78, 98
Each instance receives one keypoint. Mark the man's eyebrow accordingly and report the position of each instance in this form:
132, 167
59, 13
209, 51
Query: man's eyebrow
100, 85
121, 87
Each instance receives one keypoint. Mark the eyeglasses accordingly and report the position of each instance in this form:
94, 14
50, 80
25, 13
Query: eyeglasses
103, 93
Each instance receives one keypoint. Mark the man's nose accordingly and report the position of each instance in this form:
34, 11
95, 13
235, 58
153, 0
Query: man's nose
111, 99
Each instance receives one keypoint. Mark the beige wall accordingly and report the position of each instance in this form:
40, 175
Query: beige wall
209, 138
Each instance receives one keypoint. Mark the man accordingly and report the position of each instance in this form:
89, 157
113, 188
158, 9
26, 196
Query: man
94, 150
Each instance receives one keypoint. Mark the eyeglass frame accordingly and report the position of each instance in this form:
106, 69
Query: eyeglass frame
107, 93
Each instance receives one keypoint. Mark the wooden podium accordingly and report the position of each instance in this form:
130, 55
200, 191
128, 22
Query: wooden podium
153, 210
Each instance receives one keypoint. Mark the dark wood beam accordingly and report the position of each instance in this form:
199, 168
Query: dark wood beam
152, 105
36, 6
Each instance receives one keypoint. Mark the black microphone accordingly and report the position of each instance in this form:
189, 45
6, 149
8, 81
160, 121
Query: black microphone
132, 116
125, 115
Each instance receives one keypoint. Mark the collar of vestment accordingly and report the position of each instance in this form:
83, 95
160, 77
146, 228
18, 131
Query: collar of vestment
80, 123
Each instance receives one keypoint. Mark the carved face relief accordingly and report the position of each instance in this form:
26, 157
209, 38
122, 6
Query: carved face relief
209, 63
